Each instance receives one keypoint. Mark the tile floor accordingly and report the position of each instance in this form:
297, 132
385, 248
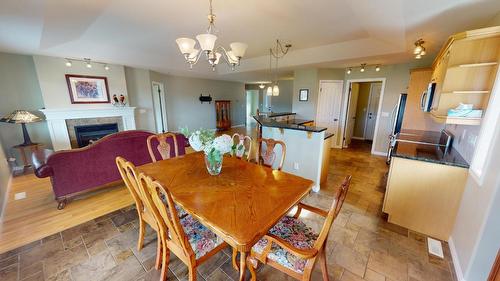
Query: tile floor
361, 244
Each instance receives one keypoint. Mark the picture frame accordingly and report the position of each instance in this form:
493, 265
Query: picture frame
85, 89
303, 94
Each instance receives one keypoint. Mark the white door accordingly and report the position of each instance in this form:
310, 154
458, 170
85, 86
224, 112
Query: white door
328, 110
160, 107
351, 113
371, 117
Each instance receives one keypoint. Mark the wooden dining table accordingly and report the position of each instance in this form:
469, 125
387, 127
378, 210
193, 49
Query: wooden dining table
240, 204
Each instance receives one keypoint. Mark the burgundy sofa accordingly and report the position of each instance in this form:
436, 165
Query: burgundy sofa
75, 171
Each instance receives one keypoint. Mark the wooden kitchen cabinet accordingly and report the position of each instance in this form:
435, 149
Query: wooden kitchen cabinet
464, 72
424, 196
414, 118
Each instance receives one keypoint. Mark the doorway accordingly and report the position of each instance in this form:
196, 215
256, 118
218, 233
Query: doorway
160, 108
329, 107
252, 102
362, 111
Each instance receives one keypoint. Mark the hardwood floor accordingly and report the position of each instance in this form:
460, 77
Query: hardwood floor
361, 244
37, 216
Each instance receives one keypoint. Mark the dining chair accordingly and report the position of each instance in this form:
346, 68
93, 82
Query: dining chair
163, 146
292, 247
129, 176
268, 155
186, 237
239, 147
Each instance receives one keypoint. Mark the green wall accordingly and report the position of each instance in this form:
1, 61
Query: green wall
20, 90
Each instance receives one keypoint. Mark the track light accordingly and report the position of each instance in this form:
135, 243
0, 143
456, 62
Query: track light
87, 63
377, 68
68, 63
349, 70
362, 67
106, 67
262, 86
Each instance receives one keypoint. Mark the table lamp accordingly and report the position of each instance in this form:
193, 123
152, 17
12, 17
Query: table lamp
22, 117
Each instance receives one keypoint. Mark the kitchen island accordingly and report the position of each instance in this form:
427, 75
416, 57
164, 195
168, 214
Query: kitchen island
307, 147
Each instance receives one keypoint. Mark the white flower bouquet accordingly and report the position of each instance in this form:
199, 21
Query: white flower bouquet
213, 147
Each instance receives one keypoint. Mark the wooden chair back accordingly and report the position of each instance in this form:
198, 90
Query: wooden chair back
268, 155
171, 231
333, 212
128, 172
163, 146
245, 142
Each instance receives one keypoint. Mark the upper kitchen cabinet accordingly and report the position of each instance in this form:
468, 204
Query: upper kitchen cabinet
464, 72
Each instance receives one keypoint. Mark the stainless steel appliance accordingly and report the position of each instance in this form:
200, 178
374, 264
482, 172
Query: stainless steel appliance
427, 98
396, 122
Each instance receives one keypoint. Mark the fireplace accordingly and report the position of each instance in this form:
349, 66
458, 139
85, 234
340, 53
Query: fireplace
87, 134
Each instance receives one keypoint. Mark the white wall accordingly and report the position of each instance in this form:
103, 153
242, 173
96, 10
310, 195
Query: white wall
309, 160
477, 228
4, 180
51, 73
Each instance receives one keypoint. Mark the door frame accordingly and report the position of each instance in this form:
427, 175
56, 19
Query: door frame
366, 117
162, 104
345, 99
334, 144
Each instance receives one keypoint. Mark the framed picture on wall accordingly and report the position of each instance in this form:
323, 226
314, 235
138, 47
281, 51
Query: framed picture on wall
303, 94
87, 89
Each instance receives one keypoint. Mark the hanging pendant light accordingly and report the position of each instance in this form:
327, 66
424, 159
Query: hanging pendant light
269, 91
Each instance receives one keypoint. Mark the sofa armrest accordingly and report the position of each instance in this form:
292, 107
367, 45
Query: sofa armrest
43, 171
39, 159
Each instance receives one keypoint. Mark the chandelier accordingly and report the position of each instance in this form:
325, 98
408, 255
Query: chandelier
277, 52
207, 46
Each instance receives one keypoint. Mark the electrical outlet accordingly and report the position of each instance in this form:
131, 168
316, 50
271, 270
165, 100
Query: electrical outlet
295, 165
20, 195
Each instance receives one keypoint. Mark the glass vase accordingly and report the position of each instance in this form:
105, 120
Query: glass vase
214, 166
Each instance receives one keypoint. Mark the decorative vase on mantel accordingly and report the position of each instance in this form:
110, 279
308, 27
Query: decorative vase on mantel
213, 147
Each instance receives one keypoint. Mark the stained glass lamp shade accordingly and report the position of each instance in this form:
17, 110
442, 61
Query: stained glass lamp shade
22, 117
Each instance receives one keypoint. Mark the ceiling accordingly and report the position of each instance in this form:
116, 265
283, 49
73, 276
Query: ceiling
324, 33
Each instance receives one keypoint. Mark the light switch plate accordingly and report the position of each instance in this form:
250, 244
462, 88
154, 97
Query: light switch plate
20, 195
385, 114
435, 248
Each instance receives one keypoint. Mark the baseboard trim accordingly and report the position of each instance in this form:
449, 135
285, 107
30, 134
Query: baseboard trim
379, 153
236, 126
357, 138
454, 257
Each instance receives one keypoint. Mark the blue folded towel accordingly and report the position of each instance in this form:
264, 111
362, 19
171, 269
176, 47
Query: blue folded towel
471, 113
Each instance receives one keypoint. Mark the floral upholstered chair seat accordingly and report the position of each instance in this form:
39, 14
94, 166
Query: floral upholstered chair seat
202, 240
295, 232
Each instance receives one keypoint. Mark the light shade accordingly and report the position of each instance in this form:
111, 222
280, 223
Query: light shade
238, 49
217, 58
417, 49
207, 41
231, 57
276, 90
186, 45
20, 116
192, 56
269, 91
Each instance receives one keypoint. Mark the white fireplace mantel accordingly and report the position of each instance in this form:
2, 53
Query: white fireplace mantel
56, 121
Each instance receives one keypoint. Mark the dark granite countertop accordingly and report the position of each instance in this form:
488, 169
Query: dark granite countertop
329, 135
429, 153
292, 124
276, 114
